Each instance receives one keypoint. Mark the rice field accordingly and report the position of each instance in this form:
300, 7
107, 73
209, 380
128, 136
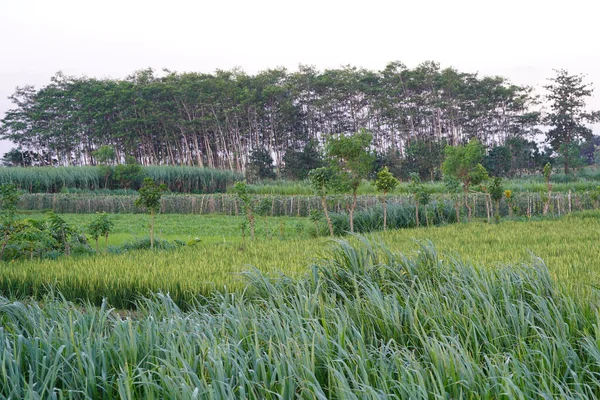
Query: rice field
569, 246
363, 323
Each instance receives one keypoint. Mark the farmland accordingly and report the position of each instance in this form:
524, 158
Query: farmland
446, 320
569, 246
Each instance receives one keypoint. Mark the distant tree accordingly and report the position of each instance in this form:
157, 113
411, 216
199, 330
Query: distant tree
464, 164
498, 161
128, 174
385, 183
260, 166
105, 156
297, 164
351, 157
149, 198
424, 157
567, 117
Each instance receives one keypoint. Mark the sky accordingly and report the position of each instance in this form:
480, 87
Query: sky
523, 40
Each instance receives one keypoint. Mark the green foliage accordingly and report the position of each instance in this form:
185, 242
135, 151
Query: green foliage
382, 322
495, 189
385, 182
567, 118
498, 161
260, 166
297, 164
149, 198
128, 174
425, 158
241, 191
105, 155
464, 163
351, 156
100, 226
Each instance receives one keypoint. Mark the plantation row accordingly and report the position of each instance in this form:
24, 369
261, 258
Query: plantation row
367, 323
526, 204
181, 179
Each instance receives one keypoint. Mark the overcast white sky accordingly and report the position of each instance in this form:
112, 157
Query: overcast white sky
520, 39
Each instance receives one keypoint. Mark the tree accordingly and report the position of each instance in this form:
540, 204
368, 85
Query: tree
321, 180
149, 198
101, 225
567, 117
61, 231
385, 183
243, 195
351, 157
260, 166
464, 164
425, 158
496, 192
498, 161
297, 164
105, 156
129, 173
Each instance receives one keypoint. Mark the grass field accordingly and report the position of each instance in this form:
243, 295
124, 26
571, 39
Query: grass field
569, 246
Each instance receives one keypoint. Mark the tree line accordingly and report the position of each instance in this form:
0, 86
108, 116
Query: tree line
221, 119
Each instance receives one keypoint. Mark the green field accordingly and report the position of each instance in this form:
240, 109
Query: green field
569, 246
367, 323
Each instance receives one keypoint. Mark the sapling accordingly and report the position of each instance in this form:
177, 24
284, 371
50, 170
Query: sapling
548, 199
100, 226
385, 183
321, 180
241, 191
150, 195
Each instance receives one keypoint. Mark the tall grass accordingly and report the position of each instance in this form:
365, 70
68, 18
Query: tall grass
365, 323
177, 178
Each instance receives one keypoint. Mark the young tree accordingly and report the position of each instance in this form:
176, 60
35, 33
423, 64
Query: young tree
496, 192
321, 180
149, 198
243, 195
547, 175
101, 225
61, 231
385, 183
567, 117
352, 158
464, 163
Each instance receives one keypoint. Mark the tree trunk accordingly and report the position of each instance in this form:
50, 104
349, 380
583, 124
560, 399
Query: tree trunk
251, 219
324, 204
417, 211
352, 208
152, 230
467, 204
384, 213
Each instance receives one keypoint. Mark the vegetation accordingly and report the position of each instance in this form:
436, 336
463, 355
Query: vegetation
149, 198
366, 322
65, 179
385, 183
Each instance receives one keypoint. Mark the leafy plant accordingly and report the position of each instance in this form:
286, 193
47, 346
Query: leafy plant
100, 226
149, 198
385, 183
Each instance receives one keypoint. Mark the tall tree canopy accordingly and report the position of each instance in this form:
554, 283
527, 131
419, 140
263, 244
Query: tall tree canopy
218, 119
567, 118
